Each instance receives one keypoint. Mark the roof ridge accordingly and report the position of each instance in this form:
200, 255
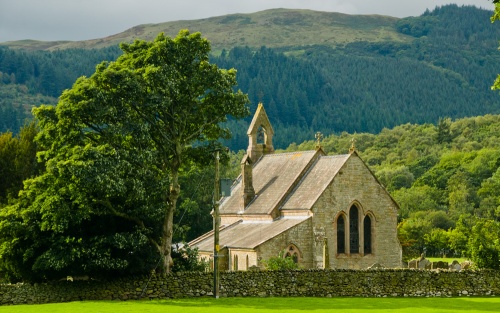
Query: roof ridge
288, 153
282, 200
335, 156
299, 183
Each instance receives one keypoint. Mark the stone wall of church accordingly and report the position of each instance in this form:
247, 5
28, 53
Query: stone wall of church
242, 259
300, 236
310, 283
355, 184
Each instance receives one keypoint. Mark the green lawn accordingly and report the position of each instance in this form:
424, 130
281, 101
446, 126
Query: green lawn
242, 305
449, 260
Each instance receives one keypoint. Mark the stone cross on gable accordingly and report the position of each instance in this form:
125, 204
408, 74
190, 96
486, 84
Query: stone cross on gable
319, 137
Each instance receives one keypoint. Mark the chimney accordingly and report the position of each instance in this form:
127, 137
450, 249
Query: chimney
248, 193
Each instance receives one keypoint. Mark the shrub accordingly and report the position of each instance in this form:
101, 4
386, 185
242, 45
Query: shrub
280, 263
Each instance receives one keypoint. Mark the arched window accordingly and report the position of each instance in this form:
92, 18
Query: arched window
367, 230
248, 262
235, 262
353, 230
340, 234
293, 252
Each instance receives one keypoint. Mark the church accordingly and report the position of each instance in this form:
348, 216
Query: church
324, 211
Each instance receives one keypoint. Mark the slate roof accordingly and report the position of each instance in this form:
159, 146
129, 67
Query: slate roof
286, 181
274, 176
247, 235
314, 182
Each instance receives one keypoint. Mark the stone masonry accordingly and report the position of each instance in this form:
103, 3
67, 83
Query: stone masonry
302, 283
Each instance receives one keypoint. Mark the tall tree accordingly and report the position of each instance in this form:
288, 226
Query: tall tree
115, 146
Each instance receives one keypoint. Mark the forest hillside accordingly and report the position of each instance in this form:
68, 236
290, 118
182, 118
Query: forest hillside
437, 65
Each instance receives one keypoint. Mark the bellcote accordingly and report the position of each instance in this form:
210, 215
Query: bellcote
260, 135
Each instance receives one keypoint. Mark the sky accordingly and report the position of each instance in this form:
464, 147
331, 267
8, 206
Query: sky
51, 20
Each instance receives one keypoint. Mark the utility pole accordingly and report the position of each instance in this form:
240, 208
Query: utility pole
216, 226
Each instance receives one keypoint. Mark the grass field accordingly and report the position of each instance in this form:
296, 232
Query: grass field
242, 305
449, 260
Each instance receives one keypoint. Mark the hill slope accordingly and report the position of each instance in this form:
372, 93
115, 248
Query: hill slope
271, 28
440, 64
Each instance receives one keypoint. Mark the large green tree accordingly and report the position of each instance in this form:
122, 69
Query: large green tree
115, 147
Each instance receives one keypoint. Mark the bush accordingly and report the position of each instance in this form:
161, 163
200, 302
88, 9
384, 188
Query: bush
280, 263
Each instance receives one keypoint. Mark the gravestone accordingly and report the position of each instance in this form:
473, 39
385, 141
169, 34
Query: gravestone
423, 263
439, 264
413, 264
455, 266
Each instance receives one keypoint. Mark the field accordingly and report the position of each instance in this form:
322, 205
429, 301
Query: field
242, 305
449, 260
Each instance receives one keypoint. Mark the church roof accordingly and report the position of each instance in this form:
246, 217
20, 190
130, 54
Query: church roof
274, 177
246, 234
315, 182
286, 181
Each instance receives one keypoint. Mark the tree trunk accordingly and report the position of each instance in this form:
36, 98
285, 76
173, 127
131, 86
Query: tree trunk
167, 238
168, 222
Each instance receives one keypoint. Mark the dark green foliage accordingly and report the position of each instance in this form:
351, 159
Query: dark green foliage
193, 217
439, 219
49, 73
31, 78
416, 26
443, 131
16, 103
186, 259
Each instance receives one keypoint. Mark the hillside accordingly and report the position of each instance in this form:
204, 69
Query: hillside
275, 28
440, 64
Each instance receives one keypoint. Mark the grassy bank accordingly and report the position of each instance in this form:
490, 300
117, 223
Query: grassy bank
242, 305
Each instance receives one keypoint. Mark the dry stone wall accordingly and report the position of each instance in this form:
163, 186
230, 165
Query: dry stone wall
301, 283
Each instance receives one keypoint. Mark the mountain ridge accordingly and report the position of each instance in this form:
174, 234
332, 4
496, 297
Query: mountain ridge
293, 27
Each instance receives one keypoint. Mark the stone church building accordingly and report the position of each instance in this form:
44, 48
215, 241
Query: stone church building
323, 211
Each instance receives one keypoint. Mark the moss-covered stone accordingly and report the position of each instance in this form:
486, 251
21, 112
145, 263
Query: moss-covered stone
311, 283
